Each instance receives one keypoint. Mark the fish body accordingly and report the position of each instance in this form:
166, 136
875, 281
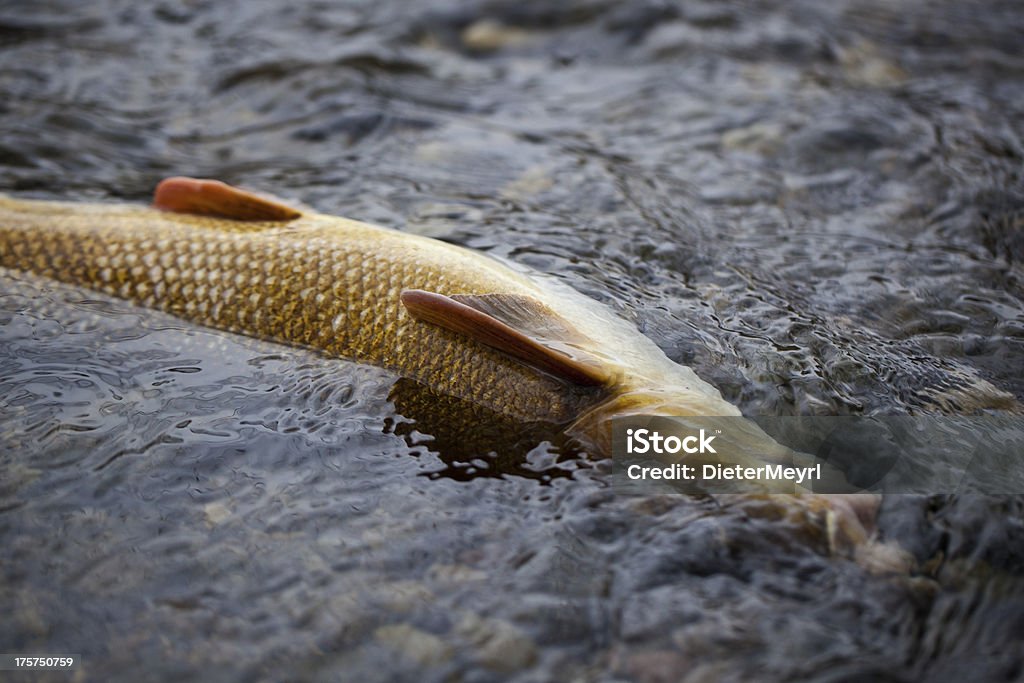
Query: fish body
458, 323
346, 288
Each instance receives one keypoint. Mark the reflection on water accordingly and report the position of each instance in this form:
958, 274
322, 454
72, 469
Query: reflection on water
473, 441
818, 207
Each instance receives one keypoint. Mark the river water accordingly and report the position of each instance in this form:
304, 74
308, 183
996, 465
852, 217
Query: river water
817, 206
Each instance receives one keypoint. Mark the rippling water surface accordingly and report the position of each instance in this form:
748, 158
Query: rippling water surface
818, 206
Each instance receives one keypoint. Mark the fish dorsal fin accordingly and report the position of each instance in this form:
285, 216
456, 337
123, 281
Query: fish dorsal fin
519, 326
214, 198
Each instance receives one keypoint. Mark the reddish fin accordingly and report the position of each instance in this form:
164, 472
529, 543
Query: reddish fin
214, 198
525, 314
561, 360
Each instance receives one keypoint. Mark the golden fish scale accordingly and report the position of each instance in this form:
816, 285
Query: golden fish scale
318, 281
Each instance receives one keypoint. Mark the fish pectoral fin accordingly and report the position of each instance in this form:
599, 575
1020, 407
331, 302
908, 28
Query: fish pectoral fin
525, 314
214, 198
504, 323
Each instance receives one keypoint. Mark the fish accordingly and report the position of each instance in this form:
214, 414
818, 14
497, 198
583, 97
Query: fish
459, 321
525, 346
